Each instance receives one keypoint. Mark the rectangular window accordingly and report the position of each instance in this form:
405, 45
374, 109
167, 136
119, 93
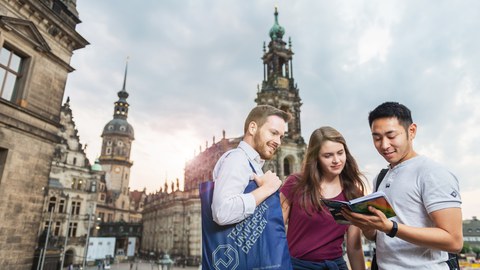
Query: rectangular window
110, 218
3, 161
56, 230
72, 229
61, 206
11, 64
101, 215
75, 208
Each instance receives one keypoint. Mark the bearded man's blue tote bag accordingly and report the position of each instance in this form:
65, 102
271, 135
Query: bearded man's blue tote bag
258, 242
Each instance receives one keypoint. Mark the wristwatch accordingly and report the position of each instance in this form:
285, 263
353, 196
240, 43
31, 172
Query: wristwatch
394, 229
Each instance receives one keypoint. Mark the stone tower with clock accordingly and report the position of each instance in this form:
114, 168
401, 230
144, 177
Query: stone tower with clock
117, 138
280, 90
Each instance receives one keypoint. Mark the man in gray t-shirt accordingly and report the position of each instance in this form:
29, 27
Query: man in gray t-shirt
424, 195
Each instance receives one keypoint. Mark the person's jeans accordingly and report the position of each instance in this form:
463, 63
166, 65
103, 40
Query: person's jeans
335, 264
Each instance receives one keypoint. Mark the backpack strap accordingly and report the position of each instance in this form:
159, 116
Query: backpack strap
380, 177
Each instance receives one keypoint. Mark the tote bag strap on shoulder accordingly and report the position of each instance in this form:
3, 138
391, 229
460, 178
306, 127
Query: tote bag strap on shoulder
258, 242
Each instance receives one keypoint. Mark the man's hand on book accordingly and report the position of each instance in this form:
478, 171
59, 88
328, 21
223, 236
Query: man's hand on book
368, 223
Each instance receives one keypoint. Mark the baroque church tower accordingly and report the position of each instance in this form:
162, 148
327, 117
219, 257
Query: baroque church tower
280, 90
117, 141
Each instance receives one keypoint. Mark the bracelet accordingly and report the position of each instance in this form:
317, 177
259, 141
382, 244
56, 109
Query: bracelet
394, 229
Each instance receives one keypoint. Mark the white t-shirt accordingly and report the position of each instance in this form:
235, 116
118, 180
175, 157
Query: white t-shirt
415, 188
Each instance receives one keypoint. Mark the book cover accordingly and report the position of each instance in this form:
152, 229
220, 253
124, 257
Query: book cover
360, 205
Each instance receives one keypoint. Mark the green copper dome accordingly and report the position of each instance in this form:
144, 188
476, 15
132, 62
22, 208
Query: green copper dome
97, 167
277, 31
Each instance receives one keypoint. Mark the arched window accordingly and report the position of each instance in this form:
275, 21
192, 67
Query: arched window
93, 187
80, 184
286, 167
51, 204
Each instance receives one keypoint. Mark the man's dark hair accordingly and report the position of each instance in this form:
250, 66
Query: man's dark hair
389, 110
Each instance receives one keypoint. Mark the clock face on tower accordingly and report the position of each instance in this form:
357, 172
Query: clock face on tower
117, 169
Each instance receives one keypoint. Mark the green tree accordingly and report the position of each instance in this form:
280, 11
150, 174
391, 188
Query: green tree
466, 248
476, 250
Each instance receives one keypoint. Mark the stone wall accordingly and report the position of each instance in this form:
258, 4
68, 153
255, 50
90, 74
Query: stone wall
29, 120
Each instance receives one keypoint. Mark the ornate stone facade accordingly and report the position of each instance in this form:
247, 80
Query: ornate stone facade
37, 39
171, 224
172, 221
71, 193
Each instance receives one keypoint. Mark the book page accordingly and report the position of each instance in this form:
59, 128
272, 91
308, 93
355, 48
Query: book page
377, 200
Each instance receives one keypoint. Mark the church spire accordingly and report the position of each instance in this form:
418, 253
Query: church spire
277, 31
117, 138
125, 75
278, 88
121, 106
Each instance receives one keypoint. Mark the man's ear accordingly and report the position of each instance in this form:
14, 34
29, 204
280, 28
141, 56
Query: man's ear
412, 131
252, 127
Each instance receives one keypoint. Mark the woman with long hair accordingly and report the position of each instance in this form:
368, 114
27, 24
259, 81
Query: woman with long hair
329, 172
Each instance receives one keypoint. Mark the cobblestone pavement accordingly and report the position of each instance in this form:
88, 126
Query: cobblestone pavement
144, 266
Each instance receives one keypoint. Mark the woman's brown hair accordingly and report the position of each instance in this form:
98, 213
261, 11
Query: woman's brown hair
308, 185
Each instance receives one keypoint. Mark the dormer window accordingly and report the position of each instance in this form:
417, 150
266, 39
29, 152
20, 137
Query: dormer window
110, 127
122, 128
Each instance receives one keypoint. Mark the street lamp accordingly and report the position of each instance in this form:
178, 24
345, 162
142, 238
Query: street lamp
88, 237
62, 259
42, 259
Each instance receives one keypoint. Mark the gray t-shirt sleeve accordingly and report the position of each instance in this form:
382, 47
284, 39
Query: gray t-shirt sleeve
440, 189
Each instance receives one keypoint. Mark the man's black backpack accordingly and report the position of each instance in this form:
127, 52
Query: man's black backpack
452, 257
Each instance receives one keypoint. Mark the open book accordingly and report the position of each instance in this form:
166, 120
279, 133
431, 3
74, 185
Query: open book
360, 205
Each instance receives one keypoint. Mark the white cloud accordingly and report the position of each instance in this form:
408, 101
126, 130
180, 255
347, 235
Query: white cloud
195, 65
374, 44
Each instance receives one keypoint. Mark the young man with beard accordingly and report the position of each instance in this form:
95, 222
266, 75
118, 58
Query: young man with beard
264, 129
423, 193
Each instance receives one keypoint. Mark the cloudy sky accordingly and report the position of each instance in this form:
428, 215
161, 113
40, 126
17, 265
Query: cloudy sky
194, 66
